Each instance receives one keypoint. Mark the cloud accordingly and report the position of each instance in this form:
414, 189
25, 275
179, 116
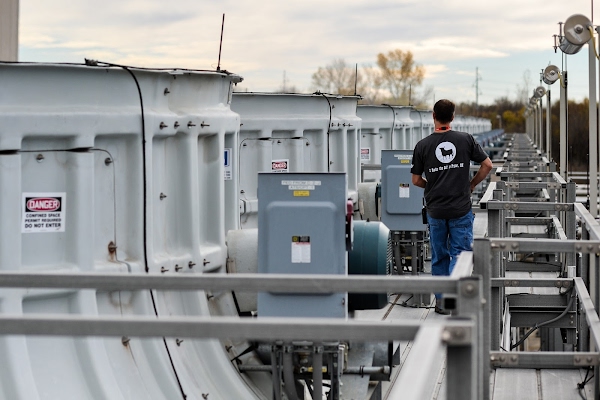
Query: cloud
262, 39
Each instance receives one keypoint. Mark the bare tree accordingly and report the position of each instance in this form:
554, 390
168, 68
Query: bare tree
337, 77
523, 91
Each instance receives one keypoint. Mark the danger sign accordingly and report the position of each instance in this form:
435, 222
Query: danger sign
43, 212
280, 166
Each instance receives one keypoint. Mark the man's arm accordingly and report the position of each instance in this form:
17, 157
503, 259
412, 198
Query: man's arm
418, 180
484, 169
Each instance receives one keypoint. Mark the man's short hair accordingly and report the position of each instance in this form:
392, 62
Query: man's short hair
444, 111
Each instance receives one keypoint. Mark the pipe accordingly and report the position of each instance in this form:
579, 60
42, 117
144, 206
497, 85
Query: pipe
289, 383
276, 381
318, 373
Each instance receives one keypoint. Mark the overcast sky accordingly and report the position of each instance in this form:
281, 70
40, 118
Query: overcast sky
264, 38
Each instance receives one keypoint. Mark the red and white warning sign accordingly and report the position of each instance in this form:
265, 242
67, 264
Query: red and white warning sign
280, 166
365, 154
43, 212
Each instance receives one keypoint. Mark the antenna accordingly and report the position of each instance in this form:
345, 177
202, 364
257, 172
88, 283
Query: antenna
355, 77
221, 43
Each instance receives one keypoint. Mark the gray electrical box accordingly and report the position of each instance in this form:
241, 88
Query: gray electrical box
302, 230
401, 201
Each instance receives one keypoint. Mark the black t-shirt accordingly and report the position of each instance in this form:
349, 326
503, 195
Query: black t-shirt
445, 158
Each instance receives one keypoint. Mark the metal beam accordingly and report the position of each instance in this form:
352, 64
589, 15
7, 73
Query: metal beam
533, 282
265, 328
275, 283
546, 359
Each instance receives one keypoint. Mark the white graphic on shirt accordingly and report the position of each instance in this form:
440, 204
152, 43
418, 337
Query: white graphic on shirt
445, 152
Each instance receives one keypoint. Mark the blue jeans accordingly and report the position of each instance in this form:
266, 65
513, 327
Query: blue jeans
448, 238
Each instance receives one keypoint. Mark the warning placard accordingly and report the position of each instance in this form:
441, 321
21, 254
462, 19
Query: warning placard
280, 166
365, 154
43, 212
300, 249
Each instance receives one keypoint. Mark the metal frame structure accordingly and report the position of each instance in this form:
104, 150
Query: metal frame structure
460, 337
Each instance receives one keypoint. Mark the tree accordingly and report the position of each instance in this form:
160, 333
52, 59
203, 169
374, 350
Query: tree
523, 91
400, 75
337, 77
391, 81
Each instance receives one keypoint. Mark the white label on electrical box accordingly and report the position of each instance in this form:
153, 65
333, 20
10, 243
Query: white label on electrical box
404, 158
43, 212
365, 154
228, 169
404, 191
300, 249
301, 185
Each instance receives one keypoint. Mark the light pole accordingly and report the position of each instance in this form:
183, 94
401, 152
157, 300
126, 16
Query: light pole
578, 30
499, 117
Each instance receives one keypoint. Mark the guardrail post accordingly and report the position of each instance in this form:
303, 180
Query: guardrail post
465, 363
482, 260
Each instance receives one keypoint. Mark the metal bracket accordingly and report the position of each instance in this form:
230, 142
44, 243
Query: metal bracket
456, 336
504, 360
588, 360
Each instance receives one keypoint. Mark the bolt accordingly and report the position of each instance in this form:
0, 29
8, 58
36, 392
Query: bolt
107, 161
204, 262
112, 247
469, 289
446, 336
162, 196
589, 360
514, 245
502, 358
162, 125
203, 124
176, 125
39, 157
190, 124
191, 264
163, 269
513, 358
125, 340
178, 268
166, 91
178, 341
577, 360
502, 245
205, 396
227, 348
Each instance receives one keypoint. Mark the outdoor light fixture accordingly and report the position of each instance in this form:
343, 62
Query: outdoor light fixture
551, 74
539, 92
576, 34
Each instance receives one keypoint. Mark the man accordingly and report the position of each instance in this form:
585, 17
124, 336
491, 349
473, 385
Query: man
445, 157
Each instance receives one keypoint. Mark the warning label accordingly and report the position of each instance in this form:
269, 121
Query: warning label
43, 212
365, 154
300, 249
280, 166
228, 170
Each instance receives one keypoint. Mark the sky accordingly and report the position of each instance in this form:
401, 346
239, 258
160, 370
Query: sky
507, 42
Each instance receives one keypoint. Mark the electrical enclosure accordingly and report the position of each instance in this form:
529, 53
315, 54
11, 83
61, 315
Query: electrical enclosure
302, 230
401, 201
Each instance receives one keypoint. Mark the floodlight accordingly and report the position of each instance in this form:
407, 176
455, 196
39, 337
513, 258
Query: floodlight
576, 34
539, 92
551, 74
